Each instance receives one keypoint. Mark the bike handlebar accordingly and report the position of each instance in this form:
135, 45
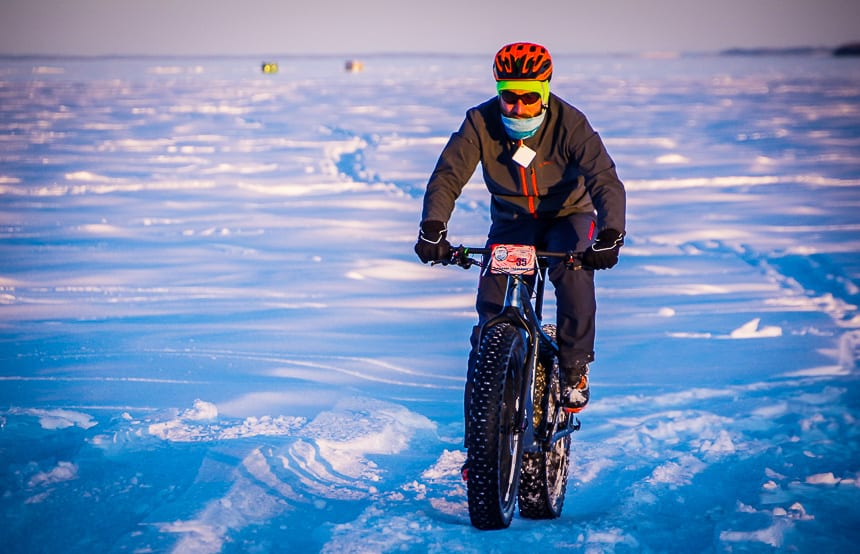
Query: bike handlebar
460, 256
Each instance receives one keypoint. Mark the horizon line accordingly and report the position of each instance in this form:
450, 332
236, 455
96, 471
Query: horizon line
787, 50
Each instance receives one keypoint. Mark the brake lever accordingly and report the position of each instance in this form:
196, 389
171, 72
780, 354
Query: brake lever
573, 261
458, 256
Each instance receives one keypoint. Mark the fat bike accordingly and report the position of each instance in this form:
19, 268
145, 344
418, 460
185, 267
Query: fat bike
519, 436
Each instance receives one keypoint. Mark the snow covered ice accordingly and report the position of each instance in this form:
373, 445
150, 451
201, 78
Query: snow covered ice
215, 336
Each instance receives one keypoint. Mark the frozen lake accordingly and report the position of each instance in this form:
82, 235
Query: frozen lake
215, 336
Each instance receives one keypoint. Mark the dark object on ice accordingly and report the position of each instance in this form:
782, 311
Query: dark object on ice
852, 49
790, 51
354, 66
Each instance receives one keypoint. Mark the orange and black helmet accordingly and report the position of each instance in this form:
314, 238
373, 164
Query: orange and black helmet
523, 60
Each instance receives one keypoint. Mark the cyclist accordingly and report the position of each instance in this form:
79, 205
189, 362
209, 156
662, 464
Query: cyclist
552, 184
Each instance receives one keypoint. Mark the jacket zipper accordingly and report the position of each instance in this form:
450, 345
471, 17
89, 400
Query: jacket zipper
524, 179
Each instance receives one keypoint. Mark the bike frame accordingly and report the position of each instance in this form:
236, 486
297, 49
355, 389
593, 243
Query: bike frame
518, 311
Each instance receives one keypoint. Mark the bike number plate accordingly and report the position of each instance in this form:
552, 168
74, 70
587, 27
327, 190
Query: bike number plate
517, 259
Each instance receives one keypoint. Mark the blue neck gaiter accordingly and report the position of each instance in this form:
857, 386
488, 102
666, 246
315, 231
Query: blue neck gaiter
519, 129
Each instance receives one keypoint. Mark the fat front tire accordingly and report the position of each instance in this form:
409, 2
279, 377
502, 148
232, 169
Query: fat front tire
543, 479
495, 445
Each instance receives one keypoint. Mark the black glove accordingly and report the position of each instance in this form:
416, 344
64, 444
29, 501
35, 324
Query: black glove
603, 254
432, 246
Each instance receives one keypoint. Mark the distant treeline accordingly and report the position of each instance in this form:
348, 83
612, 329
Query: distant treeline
852, 49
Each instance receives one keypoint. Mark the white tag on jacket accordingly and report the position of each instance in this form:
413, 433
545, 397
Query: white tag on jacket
524, 155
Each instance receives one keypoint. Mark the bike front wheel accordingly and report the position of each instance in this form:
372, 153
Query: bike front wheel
495, 445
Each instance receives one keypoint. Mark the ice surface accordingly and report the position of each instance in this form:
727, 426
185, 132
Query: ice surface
215, 336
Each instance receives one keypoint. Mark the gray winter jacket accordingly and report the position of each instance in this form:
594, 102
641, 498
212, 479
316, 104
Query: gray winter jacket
571, 171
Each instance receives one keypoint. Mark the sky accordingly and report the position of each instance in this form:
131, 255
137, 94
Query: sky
252, 27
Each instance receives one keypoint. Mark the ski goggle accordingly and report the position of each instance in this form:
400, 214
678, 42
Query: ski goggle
528, 98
